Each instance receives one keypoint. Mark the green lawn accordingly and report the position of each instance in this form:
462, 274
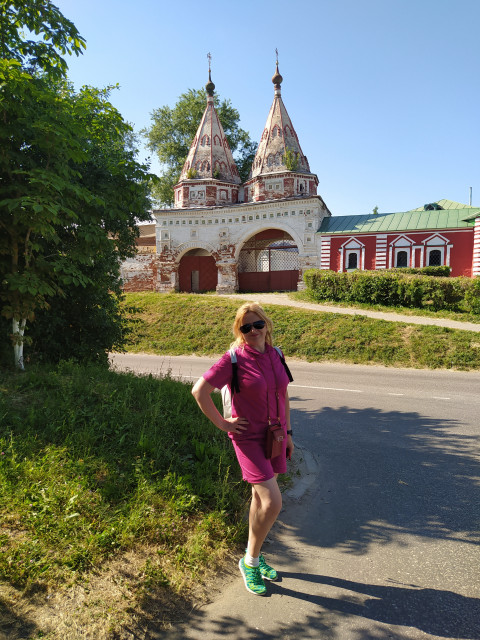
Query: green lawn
177, 324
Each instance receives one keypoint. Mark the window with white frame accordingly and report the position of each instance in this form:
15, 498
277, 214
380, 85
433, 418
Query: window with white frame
435, 256
352, 258
437, 251
352, 255
401, 257
400, 252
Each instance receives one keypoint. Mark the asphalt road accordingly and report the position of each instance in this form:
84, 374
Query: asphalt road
385, 543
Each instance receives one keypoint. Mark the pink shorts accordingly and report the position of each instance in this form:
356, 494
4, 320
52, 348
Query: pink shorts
255, 466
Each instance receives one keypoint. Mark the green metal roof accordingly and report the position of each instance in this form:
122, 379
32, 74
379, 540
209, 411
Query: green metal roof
448, 204
416, 220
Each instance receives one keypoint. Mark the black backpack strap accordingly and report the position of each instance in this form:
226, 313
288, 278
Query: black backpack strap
234, 384
285, 365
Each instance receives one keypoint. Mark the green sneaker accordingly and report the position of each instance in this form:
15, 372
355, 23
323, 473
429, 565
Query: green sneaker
252, 578
266, 570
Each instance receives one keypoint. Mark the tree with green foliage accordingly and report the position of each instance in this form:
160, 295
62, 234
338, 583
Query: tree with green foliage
86, 322
55, 35
71, 193
173, 130
71, 190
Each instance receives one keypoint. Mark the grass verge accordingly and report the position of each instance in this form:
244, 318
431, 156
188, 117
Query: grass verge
459, 316
178, 324
100, 472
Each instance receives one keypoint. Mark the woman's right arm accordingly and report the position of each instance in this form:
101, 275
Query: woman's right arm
202, 391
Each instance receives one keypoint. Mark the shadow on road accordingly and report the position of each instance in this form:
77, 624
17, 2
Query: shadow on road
390, 472
439, 613
433, 611
442, 614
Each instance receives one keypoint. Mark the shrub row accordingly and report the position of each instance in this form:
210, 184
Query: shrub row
395, 289
441, 271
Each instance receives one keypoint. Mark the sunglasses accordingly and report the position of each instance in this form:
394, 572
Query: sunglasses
259, 324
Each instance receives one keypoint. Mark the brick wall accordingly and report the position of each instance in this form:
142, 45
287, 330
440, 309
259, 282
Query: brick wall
140, 273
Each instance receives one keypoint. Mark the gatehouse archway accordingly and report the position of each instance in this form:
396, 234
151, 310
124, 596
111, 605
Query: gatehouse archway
197, 272
268, 261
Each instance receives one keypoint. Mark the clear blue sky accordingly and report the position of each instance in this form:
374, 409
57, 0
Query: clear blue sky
384, 94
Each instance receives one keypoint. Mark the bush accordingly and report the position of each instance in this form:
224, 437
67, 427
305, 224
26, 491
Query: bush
442, 271
472, 296
396, 288
84, 324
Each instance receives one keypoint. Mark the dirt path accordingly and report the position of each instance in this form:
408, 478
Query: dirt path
284, 299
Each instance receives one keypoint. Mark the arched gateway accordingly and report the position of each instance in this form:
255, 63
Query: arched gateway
268, 262
197, 272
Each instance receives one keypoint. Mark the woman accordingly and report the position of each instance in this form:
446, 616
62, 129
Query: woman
262, 398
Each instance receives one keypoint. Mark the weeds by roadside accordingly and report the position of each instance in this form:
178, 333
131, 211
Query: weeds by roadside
95, 464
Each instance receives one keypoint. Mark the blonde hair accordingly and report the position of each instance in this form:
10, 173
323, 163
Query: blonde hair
252, 307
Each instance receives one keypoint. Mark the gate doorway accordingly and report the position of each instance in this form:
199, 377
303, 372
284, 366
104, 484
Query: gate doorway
197, 272
268, 262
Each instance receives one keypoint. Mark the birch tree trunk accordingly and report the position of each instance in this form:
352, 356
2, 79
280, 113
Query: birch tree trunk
18, 334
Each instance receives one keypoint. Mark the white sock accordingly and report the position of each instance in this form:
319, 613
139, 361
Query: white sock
251, 561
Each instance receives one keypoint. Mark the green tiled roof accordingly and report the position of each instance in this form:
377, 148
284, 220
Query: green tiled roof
448, 204
449, 217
